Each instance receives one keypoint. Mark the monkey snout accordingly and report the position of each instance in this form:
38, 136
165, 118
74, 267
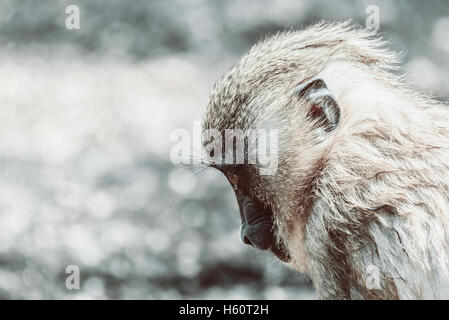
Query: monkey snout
258, 236
243, 235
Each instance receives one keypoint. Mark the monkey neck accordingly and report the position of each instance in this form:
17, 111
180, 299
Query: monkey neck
382, 197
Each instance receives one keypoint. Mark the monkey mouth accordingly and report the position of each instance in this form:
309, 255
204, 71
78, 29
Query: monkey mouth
280, 252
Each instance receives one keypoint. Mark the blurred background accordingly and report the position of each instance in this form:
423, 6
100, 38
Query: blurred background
85, 176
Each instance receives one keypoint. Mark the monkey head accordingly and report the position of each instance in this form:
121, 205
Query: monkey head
272, 206
282, 83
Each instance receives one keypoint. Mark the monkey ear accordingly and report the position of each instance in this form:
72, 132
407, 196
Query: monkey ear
323, 106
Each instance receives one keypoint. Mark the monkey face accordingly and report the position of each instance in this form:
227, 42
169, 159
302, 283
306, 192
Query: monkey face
257, 220
271, 90
272, 208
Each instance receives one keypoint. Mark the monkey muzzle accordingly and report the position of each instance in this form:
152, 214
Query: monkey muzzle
257, 227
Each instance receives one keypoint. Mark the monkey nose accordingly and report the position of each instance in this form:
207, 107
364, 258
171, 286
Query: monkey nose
244, 236
255, 238
247, 241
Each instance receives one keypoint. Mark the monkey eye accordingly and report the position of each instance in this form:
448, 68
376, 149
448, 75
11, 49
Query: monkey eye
234, 179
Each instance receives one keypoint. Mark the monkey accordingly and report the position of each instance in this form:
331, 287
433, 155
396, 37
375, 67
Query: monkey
360, 197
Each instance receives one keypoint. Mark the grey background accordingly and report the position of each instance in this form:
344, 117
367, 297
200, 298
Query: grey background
85, 176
